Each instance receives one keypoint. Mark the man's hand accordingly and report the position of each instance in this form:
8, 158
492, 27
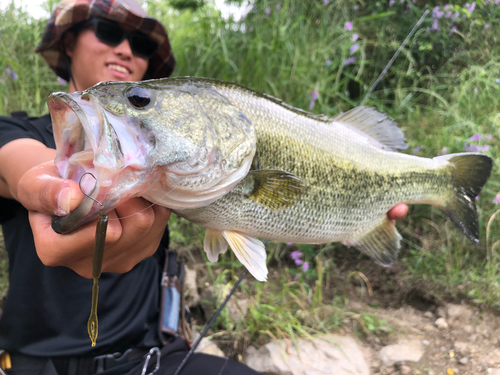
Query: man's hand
134, 230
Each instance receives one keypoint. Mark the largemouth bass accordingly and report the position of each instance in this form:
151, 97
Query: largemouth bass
247, 166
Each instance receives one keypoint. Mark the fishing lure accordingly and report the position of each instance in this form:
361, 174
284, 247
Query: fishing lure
100, 237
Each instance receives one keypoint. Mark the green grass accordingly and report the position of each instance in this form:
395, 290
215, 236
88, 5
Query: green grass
442, 90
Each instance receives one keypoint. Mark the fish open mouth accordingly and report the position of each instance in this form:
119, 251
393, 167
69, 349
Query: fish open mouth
89, 151
75, 154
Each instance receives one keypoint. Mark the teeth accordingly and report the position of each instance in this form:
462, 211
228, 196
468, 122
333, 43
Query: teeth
118, 68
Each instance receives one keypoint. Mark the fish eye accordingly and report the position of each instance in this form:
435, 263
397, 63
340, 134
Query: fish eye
139, 97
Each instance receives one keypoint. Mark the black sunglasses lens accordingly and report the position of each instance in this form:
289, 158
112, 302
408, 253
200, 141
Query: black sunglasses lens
109, 33
142, 45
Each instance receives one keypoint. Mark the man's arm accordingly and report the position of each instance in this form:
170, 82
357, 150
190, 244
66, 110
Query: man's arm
29, 175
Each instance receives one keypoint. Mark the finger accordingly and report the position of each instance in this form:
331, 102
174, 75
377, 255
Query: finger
143, 227
41, 189
55, 249
74, 250
398, 212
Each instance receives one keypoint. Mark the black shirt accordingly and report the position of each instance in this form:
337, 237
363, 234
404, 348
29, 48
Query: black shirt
47, 308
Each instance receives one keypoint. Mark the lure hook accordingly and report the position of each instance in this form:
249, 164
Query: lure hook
84, 193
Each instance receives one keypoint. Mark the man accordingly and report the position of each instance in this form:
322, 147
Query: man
43, 324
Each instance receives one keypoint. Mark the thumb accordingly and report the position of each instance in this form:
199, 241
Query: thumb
42, 189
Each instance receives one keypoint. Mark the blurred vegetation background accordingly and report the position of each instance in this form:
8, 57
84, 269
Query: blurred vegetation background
323, 56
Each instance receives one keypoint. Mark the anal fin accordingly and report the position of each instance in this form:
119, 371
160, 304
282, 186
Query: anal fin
250, 252
382, 243
214, 244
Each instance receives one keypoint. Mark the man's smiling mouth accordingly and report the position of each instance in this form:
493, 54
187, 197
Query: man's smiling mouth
119, 68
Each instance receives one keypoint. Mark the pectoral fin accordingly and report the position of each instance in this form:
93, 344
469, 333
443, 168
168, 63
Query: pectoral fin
273, 188
382, 243
214, 244
249, 251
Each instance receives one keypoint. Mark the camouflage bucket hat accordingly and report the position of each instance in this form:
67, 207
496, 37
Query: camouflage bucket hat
69, 13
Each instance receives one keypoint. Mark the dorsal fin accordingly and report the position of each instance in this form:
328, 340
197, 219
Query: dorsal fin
375, 124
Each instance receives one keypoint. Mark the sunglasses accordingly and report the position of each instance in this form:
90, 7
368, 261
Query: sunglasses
112, 34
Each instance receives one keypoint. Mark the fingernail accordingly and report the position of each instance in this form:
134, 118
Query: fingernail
63, 201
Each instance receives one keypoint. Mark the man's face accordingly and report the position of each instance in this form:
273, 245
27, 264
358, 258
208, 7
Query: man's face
93, 61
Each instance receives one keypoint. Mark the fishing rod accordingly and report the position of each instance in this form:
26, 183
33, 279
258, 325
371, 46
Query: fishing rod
391, 61
216, 315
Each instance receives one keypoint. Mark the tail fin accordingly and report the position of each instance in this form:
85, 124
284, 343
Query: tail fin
471, 172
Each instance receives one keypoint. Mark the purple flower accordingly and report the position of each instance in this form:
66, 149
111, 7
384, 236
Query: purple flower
448, 14
348, 26
61, 81
444, 151
391, 2
10, 72
348, 61
470, 8
278, 6
268, 11
477, 198
475, 90
356, 7
476, 137
327, 63
354, 37
485, 148
289, 243
416, 149
455, 16
471, 148
453, 29
326, 2
296, 255
435, 24
314, 96
305, 266
353, 49
497, 199
436, 13
488, 137
296, 277
487, 25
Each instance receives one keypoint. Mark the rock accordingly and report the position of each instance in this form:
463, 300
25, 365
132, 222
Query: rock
461, 347
441, 323
237, 308
459, 313
329, 354
429, 315
468, 328
405, 370
191, 290
208, 300
207, 346
441, 312
429, 327
463, 361
492, 371
405, 350
492, 357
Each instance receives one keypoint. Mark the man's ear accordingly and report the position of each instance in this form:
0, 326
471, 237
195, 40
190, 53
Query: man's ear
69, 40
